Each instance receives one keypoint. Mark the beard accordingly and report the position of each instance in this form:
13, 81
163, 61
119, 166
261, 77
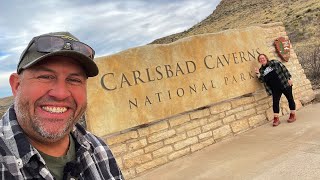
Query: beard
35, 126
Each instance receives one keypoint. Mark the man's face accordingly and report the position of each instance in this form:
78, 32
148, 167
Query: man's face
50, 97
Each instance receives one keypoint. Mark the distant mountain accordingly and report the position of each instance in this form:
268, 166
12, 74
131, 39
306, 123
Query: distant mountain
4, 104
300, 17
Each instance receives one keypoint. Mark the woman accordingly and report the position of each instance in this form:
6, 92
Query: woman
276, 79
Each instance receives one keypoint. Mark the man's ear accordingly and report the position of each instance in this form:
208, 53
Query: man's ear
14, 81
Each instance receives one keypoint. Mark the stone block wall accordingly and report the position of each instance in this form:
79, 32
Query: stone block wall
141, 149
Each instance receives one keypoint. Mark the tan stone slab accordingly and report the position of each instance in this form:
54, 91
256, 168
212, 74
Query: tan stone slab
152, 82
290, 151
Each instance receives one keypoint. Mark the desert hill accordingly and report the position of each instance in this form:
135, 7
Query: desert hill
4, 104
301, 19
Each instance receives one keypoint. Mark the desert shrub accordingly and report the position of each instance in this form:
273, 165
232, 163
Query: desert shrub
311, 64
314, 59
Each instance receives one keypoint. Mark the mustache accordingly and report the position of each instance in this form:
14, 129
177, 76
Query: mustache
69, 102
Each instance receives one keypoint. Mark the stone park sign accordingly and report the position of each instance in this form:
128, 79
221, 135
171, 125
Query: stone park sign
152, 82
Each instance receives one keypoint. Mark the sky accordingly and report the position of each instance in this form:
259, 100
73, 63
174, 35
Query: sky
107, 26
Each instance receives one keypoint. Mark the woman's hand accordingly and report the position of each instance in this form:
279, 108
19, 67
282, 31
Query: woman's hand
256, 70
290, 82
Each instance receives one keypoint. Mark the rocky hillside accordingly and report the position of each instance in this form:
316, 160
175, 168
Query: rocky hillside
300, 17
4, 104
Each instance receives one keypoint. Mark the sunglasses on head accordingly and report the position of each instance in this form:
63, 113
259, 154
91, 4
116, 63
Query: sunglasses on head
48, 44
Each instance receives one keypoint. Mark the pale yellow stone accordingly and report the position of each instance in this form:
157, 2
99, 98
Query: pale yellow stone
256, 120
270, 114
122, 137
153, 82
228, 119
153, 147
262, 107
137, 144
182, 144
153, 128
151, 164
235, 110
133, 154
220, 108
119, 149
221, 132
298, 104
211, 126
194, 132
308, 85
143, 131
179, 153
240, 125
216, 117
161, 135
129, 163
249, 106
188, 126
179, 120
245, 113
199, 114
282, 29
260, 95
163, 151
176, 138
242, 101
293, 55
158, 127
203, 121
307, 96
283, 34
201, 145
205, 135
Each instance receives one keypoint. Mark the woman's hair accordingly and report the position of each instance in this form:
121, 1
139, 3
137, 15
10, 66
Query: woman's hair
264, 56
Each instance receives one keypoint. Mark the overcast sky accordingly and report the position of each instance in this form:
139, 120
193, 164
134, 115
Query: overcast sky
107, 26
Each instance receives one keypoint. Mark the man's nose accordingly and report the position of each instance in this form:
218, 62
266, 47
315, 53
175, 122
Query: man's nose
60, 90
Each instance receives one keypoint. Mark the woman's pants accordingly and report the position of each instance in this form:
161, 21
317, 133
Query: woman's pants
276, 95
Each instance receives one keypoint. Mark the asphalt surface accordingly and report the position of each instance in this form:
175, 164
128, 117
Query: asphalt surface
287, 152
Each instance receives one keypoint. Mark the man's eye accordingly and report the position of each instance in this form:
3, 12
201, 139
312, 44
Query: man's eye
45, 77
75, 80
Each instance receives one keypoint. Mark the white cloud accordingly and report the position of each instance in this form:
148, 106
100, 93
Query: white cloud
4, 57
4, 78
4, 82
108, 26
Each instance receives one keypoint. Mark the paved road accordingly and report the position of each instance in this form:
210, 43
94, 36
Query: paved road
289, 152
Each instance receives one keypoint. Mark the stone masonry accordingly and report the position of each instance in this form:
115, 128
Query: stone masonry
140, 149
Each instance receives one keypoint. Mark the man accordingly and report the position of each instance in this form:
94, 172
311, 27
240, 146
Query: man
39, 135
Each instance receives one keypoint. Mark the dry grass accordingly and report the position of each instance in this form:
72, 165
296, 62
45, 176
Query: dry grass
300, 17
4, 104
310, 61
